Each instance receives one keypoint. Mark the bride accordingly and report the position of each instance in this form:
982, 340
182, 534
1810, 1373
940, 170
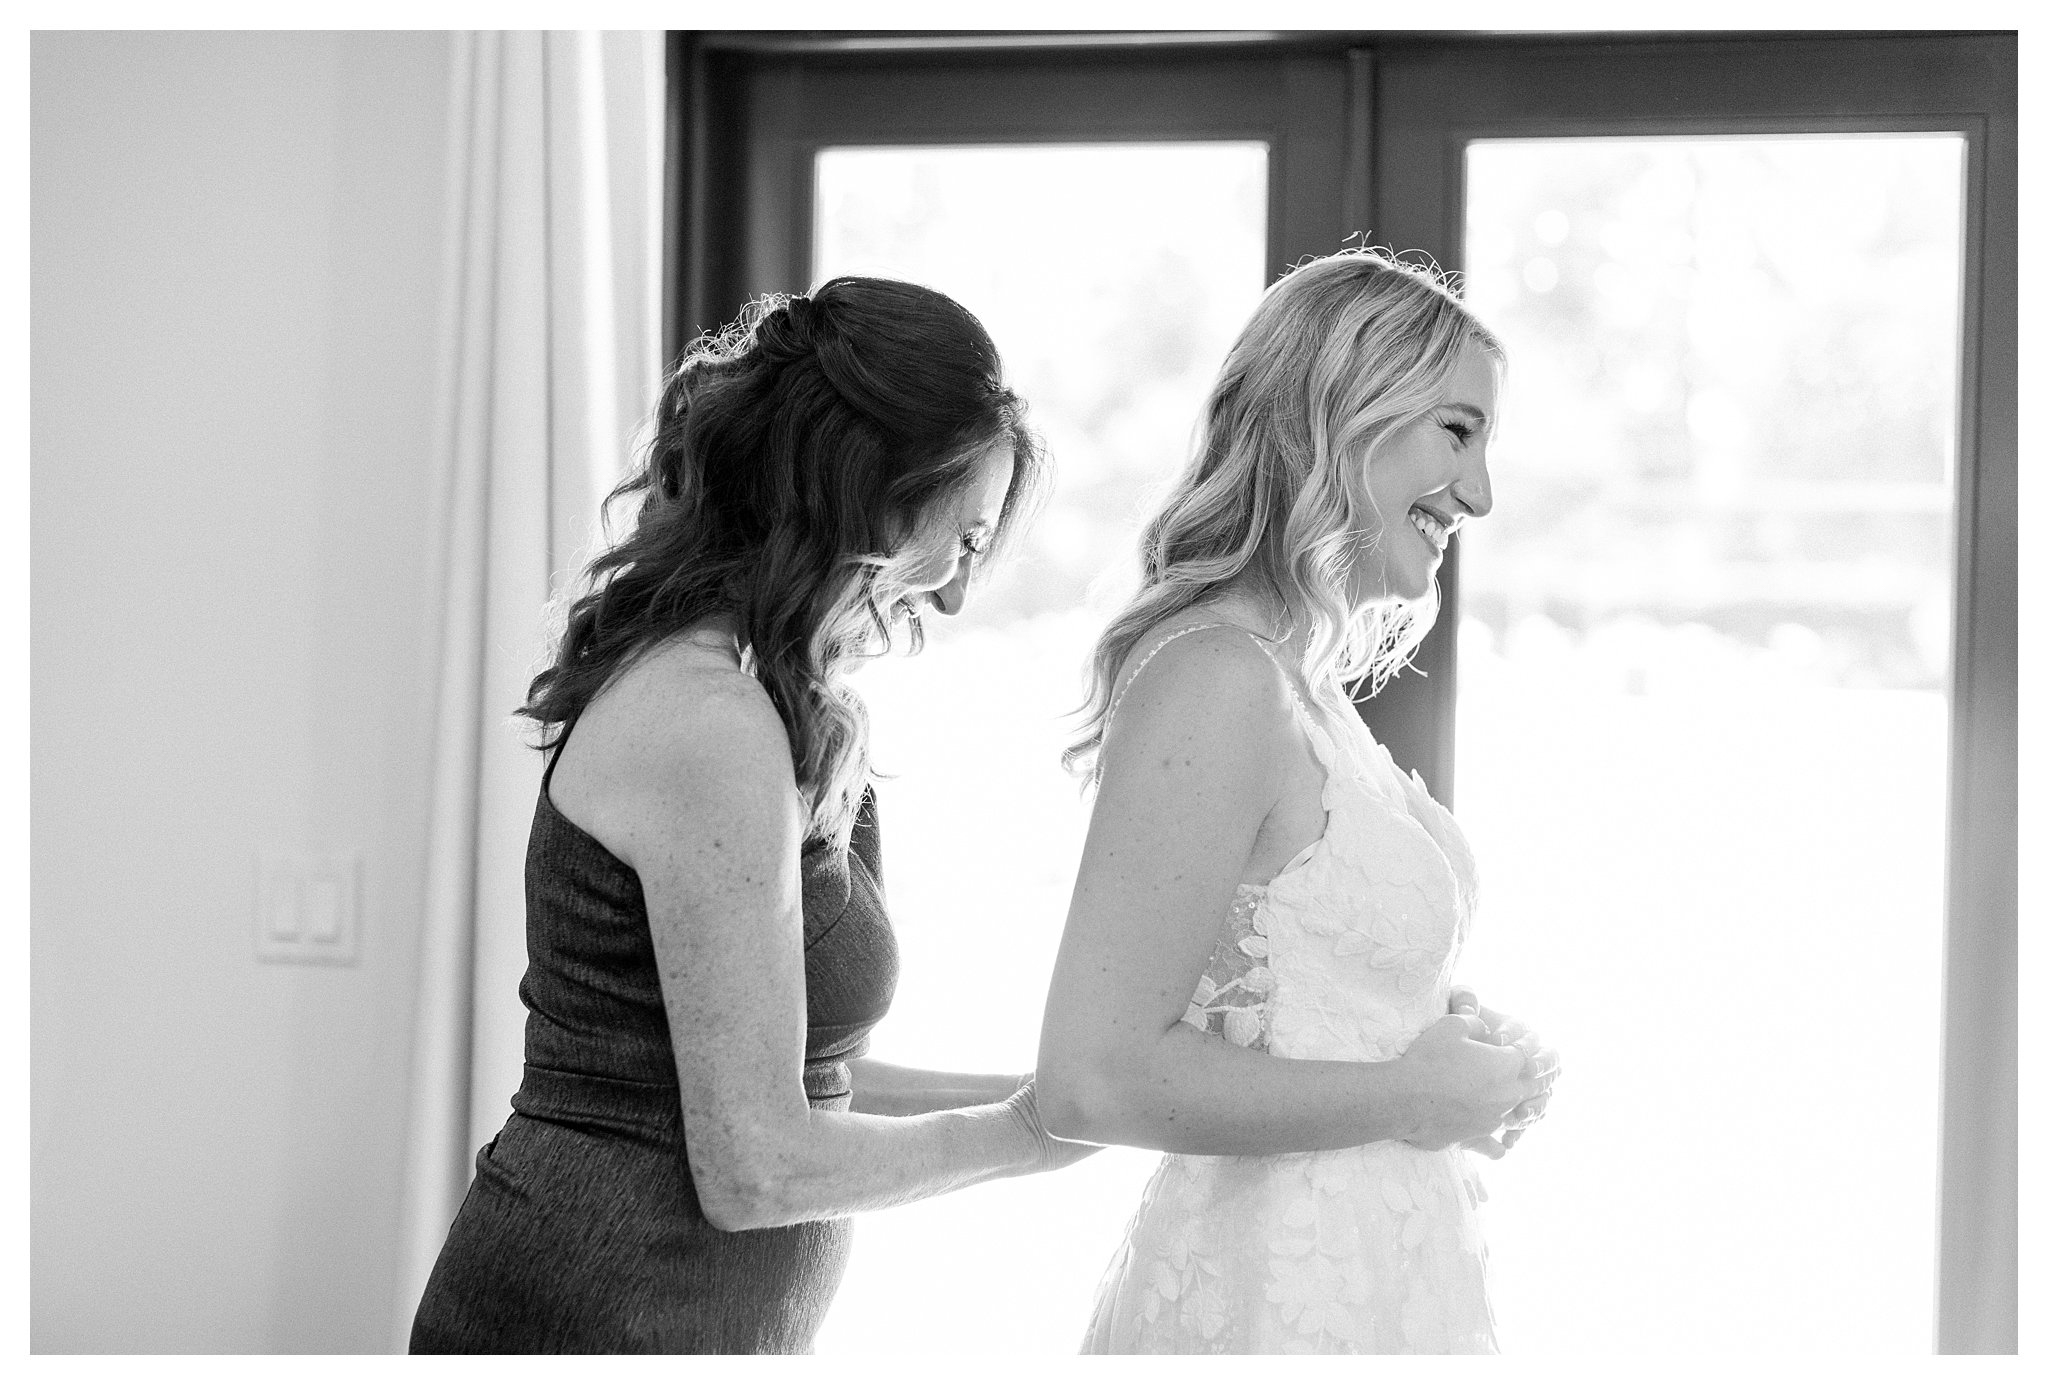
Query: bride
1256, 972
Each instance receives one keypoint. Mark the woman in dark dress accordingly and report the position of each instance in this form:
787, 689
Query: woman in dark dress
706, 935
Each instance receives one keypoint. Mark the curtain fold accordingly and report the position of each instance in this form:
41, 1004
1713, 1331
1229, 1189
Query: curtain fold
550, 363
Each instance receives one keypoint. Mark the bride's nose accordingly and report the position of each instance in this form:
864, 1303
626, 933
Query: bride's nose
1474, 491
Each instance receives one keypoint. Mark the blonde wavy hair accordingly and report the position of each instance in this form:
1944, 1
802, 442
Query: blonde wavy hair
1340, 354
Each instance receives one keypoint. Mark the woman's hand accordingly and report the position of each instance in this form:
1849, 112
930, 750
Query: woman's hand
1465, 1086
1540, 1061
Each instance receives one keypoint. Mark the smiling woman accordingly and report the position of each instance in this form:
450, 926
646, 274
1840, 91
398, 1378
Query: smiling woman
708, 942
1243, 811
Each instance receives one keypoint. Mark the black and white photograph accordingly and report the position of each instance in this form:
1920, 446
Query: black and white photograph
1001, 692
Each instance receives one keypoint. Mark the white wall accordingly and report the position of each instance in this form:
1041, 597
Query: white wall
236, 252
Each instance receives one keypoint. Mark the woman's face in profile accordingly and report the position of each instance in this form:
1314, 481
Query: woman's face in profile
940, 560
1426, 479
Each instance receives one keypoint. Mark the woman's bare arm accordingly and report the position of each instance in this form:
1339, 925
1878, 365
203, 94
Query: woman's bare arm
699, 798
887, 1089
1190, 771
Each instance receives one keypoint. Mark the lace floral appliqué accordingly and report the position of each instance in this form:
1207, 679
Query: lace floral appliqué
1235, 995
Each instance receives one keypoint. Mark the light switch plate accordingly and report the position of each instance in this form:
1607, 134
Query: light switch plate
307, 907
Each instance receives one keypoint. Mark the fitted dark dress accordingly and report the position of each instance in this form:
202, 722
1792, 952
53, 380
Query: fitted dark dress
582, 1231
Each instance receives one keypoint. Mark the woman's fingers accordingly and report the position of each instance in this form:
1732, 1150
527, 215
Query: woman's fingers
1506, 1028
1487, 1145
1474, 1027
1465, 1001
1541, 1064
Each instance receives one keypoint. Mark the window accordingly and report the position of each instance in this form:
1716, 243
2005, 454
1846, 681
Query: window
1802, 608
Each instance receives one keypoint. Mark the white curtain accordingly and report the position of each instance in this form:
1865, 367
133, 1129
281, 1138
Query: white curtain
550, 364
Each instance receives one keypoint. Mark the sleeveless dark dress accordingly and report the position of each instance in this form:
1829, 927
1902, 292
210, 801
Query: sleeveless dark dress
581, 1231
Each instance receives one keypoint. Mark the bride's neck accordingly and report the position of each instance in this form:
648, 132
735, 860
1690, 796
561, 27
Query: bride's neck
1266, 616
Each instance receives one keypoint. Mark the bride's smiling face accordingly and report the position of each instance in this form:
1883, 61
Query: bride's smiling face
1426, 479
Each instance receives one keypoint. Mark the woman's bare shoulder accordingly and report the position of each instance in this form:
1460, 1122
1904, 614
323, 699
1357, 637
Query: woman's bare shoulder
685, 697
1195, 660
1200, 677
681, 728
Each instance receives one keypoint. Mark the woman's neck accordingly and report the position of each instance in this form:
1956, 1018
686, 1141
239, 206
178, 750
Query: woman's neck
1264, 615
720, 634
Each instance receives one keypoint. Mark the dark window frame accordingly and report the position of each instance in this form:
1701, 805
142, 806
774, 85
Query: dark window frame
761, 108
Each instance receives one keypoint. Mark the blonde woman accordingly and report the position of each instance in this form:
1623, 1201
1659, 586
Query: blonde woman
1256, 972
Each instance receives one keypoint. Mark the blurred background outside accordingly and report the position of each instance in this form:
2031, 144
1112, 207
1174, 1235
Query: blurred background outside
1702, 728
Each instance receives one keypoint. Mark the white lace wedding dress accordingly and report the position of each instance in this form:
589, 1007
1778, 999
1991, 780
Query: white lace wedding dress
1345, 954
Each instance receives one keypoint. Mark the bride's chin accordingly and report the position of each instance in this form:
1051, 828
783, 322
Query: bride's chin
1404, 588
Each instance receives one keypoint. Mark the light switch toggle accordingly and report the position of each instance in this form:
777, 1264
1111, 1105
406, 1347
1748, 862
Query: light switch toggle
306, 907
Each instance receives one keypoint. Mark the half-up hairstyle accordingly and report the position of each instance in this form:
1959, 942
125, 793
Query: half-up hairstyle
1341, 353
795, 454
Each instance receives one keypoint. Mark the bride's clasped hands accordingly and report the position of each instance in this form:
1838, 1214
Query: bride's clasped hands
1530, 1069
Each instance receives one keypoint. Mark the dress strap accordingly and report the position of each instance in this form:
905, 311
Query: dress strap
1316, 731
1139, 667
1266, 647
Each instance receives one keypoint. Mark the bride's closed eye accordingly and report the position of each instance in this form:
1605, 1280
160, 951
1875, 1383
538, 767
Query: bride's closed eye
976, 538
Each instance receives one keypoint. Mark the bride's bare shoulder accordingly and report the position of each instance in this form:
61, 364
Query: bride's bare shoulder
1199, 672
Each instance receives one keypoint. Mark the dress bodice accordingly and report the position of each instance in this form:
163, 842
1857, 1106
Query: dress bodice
1348, 952
598, 1046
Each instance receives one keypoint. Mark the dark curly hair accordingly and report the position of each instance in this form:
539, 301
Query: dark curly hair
795, 452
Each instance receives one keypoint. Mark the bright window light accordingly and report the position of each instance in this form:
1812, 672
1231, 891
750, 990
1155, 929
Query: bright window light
1702, 728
